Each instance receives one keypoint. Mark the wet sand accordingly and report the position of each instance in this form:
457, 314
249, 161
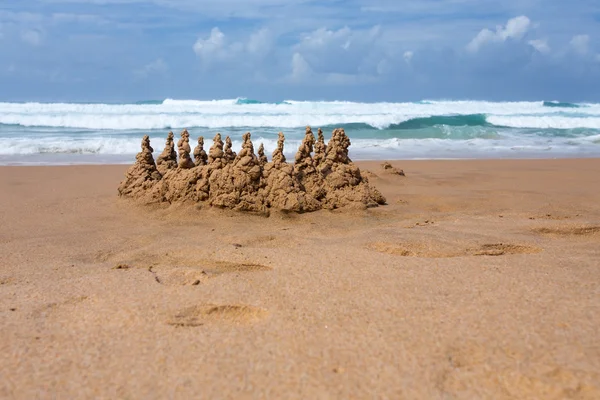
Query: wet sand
479, 279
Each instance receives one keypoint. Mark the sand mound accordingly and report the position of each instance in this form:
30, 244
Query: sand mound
246, 182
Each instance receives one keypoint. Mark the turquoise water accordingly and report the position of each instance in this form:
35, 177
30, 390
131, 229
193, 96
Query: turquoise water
43, 133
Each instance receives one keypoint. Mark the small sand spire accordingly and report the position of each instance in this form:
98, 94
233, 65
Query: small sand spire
168, 158
304, 170
183, 146
278, 157
200, 156
246, 154
320, 149
337, 149
146, 154
216, 154
229, 153
303, 156
262, 158
142, 175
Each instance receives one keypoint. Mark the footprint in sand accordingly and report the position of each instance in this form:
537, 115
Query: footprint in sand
196, 275
203, 271
211, 313
575, 231
53, 307
178, 276
435, 250
551, 216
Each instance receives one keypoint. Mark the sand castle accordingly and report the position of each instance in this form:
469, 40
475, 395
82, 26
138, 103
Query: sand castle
247, 182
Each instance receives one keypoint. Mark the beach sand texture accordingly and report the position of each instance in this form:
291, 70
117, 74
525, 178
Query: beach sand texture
478, 280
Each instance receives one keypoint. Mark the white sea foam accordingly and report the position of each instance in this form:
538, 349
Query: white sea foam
226, 113
545, 122
37, 131
360, 149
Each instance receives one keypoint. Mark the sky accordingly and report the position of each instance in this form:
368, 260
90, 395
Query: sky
272, 50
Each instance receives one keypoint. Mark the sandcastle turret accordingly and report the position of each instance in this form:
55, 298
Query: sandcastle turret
216, 154
247, 161
320, 149
262, 158
278, 157
303, 155
142, 175
145, 156
184, 149
337, 149
168, 158
229, 153
304, 169
246, 154
200, 156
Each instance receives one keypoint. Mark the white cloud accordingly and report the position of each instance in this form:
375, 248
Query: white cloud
580, 44
343, 51
216, 48
325, 38
408, 55
300, 68
212, 46
260, 42
32, 37
540, 45
158, 67
515, 28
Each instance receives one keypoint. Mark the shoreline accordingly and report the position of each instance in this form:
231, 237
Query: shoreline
356, 161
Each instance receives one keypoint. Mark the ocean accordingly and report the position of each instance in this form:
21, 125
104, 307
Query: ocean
74, 133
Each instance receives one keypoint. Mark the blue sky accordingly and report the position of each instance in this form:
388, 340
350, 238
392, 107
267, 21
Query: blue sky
369, 50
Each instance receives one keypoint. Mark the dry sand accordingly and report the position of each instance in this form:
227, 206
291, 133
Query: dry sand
480, 279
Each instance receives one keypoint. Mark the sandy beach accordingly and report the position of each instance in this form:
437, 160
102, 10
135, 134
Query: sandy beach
479, 280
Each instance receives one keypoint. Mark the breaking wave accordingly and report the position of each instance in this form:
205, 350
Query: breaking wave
559, 104
427, 129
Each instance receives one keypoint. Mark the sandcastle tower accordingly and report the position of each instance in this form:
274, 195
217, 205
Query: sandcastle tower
304, 170
337, 149
262, 158
216, 153
183, 146
303, 155
247, 162
236, 185
246, 155
229, 153
342, 180
168, 158
278, 157
145, 156
142, 175
320, 149
200, 156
